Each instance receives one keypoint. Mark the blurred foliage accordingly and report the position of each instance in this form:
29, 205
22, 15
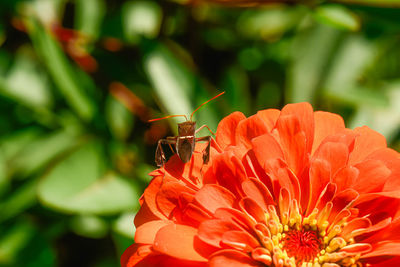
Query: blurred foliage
80, 79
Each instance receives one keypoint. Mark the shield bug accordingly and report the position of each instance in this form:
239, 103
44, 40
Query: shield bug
186, 140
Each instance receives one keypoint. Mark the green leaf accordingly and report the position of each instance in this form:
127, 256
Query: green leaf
89, 17
270, 23
384, 118
13, 240
119, 118
21, 199
89, 226
80, 184
40, 152
338, 16
311, 52
377, 3
141, 18
172, 81
124, 225
62, 72
236, 84
26, 84
352, 58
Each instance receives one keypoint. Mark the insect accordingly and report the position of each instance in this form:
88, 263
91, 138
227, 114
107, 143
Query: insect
185, 141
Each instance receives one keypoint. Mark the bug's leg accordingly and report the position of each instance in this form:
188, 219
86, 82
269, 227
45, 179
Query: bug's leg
160, 155
206, 151
204, 126
174, 139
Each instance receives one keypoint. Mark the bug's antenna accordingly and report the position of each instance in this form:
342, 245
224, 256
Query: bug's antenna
191, 115
167, 117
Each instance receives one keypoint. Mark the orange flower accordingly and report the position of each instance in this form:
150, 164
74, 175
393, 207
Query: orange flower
282, 188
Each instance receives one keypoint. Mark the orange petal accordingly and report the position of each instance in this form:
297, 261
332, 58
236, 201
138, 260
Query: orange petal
211, 231
366, 142
346, 177
252, 209
177, 241
212, 197
336, 154
293, 142
265, 147
144, 215
168, 196
384, 248
341, 201
134, 254
249, 128
239, 240
319, 177
236, 218
269, 116
372, 176
304, 113
225, 135
150, 196
325, 124
146, 233
257, 191
229, 172
232, 258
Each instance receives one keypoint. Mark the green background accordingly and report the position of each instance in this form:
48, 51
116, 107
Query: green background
75, 144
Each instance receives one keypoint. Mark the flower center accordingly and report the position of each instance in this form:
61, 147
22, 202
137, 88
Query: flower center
290, 239
303, 245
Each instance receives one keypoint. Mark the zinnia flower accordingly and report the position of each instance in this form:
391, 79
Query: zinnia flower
282, 188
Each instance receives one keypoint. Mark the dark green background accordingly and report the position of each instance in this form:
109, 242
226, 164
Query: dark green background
74, 160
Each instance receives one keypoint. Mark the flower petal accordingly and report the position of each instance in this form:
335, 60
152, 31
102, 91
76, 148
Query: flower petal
372, 176
249, 128
293, 142
239, 240
146, 233
304, 113
269, 116
213, 197
366, 142
211, 231
225, 135
325, 124
168, 196
265, 147
134, 254
258, 192
232, 258
384, 248
177, 241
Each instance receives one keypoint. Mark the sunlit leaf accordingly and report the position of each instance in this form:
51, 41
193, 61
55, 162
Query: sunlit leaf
21, 199
141, 18
338, 16
81, 184
62, 72
89, 16
40, 152
311, 52
384, 118
89, 226
26, 83
378, 3
124, 225
269, 23
172, 82
236, 85
119, 118
13, 240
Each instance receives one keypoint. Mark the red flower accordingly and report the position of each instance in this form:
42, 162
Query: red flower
282, 188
